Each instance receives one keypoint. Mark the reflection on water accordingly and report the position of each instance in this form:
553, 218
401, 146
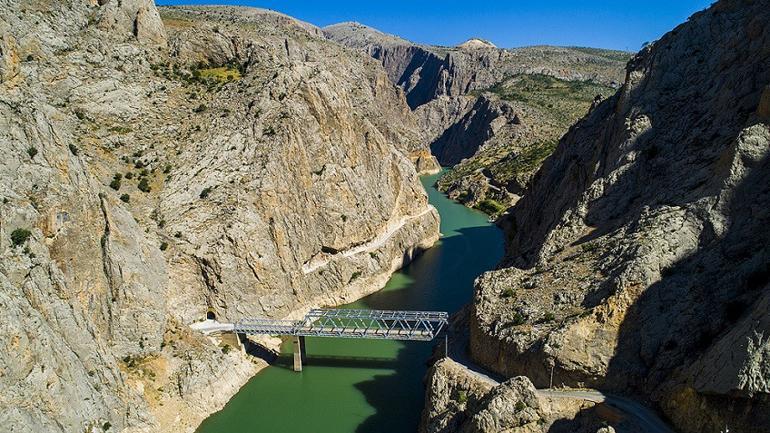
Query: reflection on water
370, 386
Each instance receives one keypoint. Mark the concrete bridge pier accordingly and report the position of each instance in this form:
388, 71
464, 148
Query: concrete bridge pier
233, 340
300, 356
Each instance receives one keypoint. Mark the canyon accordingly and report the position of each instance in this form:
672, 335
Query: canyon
167, 164
491, 114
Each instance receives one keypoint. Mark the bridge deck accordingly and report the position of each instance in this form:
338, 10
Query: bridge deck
342, 323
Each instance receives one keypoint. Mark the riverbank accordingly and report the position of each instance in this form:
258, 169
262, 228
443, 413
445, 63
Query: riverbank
371, 386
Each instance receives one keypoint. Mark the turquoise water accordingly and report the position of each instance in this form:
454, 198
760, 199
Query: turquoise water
370, 386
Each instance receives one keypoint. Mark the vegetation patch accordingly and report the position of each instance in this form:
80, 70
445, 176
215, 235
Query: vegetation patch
222, 74
115, 183
20, 236
491, 207
144, 185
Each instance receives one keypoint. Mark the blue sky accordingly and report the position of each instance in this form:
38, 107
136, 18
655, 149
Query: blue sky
617, 24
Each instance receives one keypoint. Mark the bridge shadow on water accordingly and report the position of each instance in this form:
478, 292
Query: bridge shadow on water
369, 362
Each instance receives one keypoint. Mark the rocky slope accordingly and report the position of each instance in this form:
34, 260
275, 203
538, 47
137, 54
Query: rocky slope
219, 159
459, 400
495, 112
637, 258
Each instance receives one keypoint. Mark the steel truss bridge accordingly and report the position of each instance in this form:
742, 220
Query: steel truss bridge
373, 324
339, 323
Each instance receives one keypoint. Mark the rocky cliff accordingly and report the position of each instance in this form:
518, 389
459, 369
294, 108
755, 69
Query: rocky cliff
494, 114
637, 258
218, 159
461, 400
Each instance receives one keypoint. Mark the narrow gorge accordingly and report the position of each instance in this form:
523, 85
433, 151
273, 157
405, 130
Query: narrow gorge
594, 220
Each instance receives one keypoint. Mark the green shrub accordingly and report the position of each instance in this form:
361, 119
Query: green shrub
167, 169
31, 152
518, 319
163, 246
226, 349
129, 175
20, 236
144, 185
549, 317
205, 193
178, 235
106, 426
490, 207
200, 109
462, 397
125, 198
74, 149
508, 292
520, 406
115, 183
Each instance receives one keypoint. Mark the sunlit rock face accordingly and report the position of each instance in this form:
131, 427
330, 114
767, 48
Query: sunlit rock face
161, 165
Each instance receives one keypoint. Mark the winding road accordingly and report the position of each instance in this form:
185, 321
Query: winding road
644, 416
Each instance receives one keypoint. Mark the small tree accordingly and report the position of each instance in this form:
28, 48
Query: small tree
20, 236
125, 198
205, 193
115, 184
144, 185
74, 149
163, 246
462, 397
31, 152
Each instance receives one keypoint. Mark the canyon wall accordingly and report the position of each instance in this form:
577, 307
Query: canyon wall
637, 258
218, 159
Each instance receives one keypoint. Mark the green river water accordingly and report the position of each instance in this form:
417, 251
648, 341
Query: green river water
370, 386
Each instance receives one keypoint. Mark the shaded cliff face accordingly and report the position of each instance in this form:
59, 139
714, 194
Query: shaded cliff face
508, 133
638, 256
230, 158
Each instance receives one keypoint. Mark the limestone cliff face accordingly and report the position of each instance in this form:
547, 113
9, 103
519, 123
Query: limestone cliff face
228, 158
637, 259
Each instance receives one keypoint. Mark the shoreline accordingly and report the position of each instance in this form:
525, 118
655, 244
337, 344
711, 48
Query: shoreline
192, 419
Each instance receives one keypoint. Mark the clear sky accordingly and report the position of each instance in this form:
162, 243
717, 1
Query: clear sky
617, 24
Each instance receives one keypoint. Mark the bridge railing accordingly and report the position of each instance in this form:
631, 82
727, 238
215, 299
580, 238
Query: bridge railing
352, 323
